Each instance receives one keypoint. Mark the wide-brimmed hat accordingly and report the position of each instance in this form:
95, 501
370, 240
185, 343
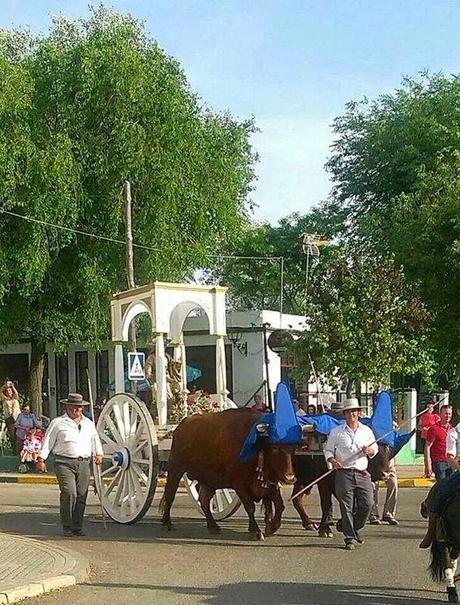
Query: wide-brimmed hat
350, 404
74, 399
337, 406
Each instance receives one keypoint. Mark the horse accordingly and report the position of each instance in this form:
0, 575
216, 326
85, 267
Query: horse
444, 554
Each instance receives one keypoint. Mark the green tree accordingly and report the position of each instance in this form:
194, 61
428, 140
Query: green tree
381, 146
82, 109
363, 321
256, 284
395, 170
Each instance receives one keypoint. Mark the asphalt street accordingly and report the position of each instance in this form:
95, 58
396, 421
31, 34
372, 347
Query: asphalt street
144, 564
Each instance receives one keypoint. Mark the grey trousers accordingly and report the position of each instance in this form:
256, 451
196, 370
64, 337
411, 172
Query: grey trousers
391, 500
355, 494
73, 476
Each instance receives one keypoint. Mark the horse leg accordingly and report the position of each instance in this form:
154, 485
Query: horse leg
205, 496
172, 483
275, 522
299, 505
325, 494
449, 572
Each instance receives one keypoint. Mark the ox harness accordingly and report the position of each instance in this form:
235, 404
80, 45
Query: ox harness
309, 433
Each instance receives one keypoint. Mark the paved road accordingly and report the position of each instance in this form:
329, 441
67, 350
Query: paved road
144, 564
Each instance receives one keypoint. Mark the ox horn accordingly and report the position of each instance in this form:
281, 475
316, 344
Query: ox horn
262, 428
308, 428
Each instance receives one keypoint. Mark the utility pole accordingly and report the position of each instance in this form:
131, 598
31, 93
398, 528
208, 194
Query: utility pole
129, 257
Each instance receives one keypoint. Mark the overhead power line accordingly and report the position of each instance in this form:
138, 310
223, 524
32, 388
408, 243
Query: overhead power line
279, 259
71, 230
122, 242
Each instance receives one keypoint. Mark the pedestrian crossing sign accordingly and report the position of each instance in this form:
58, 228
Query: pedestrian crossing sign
136, 361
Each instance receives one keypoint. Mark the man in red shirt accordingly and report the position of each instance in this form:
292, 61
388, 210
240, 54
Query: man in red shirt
436, 446
427, 419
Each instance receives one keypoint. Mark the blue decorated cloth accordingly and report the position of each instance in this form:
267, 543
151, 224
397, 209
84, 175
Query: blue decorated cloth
285, 426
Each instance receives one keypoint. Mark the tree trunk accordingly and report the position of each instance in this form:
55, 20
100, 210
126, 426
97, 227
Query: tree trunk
358, 391
349, 387
37, 366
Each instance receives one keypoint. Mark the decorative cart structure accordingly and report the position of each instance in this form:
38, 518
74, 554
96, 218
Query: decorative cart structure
132, 442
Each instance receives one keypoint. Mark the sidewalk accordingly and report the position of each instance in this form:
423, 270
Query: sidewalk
29, 568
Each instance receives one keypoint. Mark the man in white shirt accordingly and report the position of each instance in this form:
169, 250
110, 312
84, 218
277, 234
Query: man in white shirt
73, 439
347, 450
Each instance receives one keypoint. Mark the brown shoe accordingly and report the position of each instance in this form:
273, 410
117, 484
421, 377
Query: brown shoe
430, 535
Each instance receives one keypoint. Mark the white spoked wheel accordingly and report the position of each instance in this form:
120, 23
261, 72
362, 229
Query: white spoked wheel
224, 504
127, 480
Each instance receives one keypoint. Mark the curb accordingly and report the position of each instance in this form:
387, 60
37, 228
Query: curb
46, 480
51, 480
76, 571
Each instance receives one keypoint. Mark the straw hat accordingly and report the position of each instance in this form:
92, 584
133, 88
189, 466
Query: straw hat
74, 399
351, 404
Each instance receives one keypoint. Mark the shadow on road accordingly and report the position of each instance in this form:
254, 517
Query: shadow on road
293, 593
45, 525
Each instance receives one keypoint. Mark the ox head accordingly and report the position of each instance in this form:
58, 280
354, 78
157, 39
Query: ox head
276, 458
379, 465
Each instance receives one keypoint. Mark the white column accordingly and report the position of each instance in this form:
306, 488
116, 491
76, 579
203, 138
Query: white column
410, 396
179, 355
221, 374
183, 367
119, 368
160, 370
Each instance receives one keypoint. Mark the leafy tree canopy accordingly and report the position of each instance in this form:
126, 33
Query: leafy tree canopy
395, 167
82, 109
256, 284
364, 320
382, 146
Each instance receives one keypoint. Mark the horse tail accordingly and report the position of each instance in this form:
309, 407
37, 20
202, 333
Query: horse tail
439, 561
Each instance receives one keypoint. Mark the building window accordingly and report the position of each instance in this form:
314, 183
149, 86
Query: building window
62, 378
81, 376
15, 367
102, 372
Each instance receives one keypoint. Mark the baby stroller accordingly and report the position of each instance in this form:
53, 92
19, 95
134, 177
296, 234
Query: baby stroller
30, 450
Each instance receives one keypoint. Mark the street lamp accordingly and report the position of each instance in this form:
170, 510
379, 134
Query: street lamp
310, 247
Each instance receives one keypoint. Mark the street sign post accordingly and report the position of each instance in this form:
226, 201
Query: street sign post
136, 362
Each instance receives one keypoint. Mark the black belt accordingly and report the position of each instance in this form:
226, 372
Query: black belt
65, 458
355, 470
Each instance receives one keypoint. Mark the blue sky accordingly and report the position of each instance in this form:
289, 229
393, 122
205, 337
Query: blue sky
291, 64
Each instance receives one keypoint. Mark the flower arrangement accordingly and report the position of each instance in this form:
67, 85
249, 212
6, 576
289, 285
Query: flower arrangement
200, 403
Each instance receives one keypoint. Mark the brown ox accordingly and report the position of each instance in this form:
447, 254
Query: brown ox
207, 447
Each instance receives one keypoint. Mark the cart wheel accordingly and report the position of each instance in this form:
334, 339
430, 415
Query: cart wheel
224, 504
127, 481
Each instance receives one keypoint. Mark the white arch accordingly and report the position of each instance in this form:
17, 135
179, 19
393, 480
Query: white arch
168, 306
178, 316
135, 308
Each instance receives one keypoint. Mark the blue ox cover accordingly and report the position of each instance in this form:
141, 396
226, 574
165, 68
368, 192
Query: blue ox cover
381, 423
283, 424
